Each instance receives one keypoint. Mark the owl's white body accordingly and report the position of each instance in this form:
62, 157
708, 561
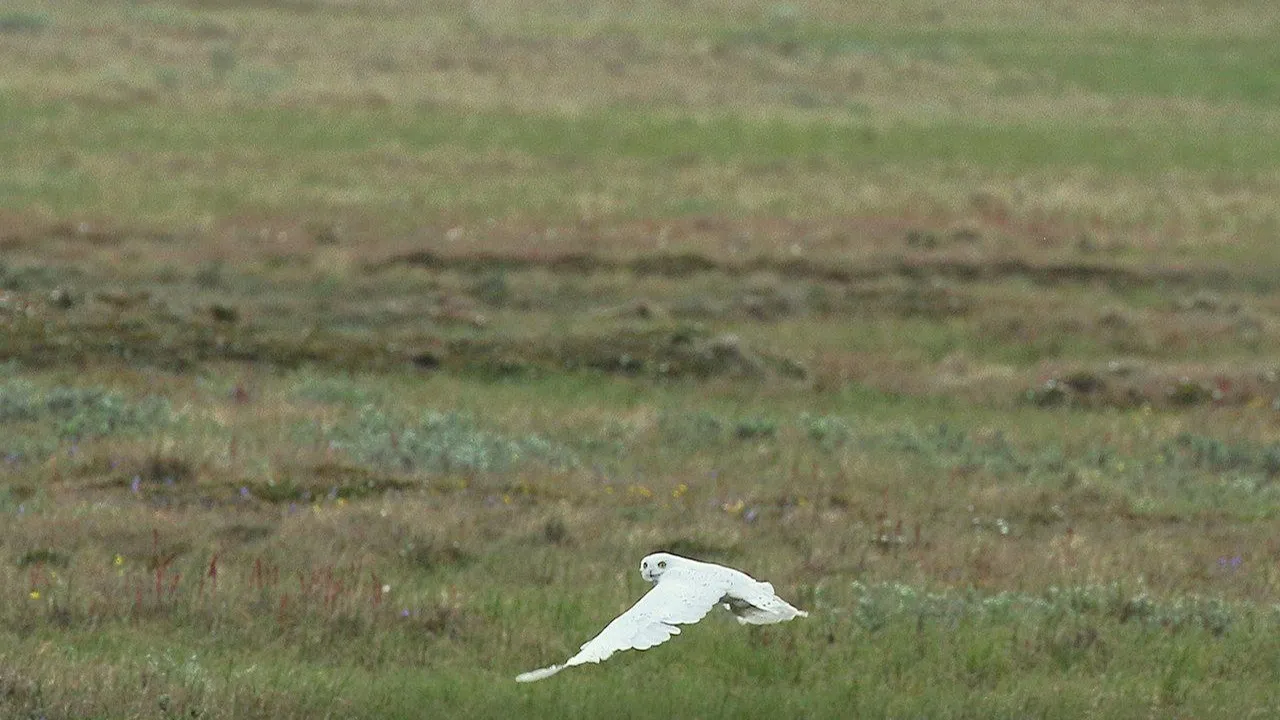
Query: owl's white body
684, 592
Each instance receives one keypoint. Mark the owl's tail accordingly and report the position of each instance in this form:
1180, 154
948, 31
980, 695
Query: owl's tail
768, 616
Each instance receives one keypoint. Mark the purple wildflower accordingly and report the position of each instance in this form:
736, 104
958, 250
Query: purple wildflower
244, 492
136, 484
750, 515
404, 612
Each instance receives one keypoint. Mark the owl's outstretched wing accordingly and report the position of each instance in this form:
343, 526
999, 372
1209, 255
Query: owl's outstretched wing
679, 598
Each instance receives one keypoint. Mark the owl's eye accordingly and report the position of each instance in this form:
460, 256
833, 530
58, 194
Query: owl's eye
662, 564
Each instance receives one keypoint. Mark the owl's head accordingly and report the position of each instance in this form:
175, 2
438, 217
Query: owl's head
652, 566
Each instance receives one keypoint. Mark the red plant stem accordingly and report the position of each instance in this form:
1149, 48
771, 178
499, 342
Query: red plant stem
213, 571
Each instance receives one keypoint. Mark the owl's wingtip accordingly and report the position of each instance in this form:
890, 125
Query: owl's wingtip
539, 674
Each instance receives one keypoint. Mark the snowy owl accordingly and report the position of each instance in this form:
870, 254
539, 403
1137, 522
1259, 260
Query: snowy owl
684, 592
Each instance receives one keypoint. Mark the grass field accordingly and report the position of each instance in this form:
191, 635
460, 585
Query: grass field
352, 354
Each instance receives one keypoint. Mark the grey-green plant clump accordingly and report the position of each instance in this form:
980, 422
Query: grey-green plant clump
437, 442
342, 378
74, 413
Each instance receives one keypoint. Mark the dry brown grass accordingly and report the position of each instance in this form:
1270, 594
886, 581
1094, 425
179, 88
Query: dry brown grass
956, 322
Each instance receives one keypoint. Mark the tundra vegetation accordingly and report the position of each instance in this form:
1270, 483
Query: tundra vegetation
353, 353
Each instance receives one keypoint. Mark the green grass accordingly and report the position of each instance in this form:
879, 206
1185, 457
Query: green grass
624, 134
352, 378
884, 650
802, 110
1170, 64
336, 156
955, 574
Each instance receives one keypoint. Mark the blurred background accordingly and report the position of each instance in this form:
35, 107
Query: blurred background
353, 352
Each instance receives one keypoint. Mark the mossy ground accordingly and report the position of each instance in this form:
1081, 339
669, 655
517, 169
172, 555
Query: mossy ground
350, 379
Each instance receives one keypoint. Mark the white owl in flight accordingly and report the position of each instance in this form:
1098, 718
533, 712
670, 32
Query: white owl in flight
684, 592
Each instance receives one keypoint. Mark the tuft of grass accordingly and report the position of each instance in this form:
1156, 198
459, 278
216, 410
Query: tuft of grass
829, 431
24, 23
339, 390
